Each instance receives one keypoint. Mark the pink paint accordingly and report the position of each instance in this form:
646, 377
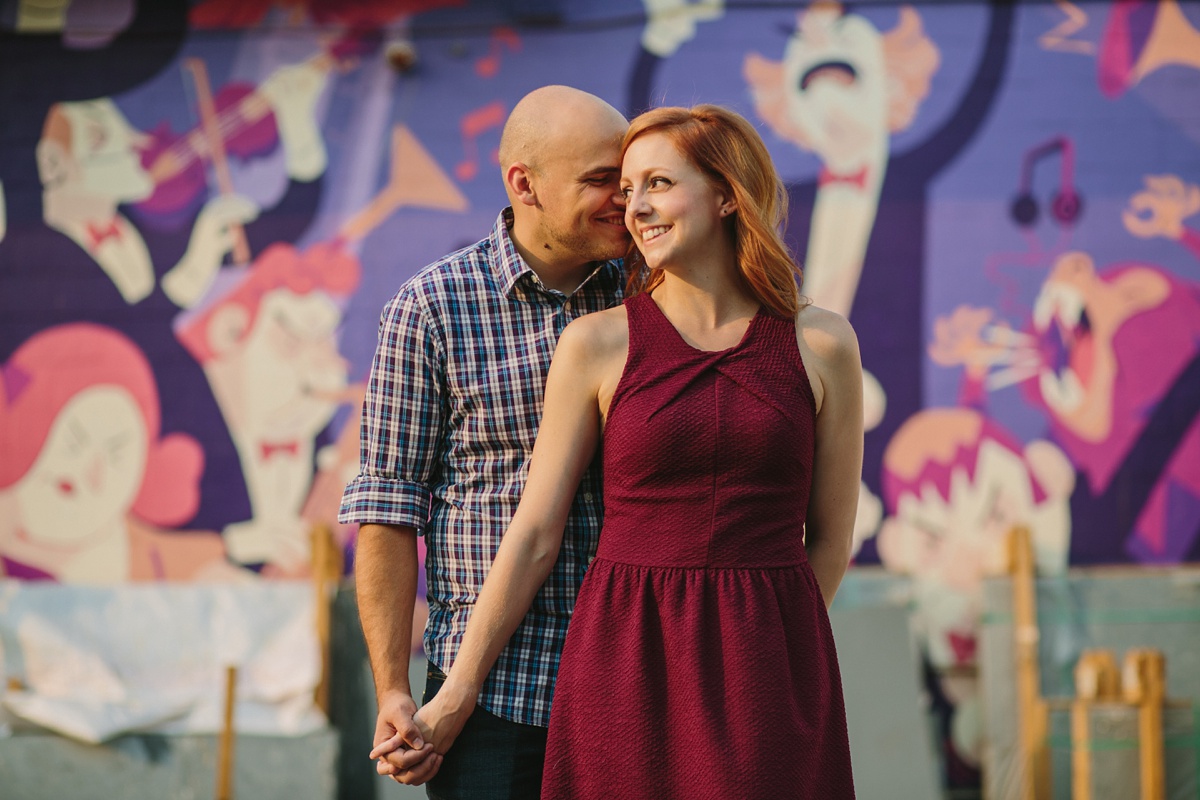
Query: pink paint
326, 266
59, 363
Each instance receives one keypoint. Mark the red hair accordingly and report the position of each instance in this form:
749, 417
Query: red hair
727, 149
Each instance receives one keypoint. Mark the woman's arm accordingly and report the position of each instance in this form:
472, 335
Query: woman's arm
566, 443
832, 349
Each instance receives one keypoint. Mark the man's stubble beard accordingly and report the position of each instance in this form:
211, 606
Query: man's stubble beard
580, 247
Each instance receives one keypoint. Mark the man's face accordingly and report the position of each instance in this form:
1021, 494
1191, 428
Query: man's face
583, 218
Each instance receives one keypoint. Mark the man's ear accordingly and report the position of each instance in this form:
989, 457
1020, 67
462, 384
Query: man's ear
226, 328
519, 179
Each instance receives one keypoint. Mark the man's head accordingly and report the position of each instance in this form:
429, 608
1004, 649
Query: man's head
560, 160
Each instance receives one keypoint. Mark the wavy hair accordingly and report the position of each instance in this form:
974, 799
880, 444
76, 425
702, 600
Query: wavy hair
727, 149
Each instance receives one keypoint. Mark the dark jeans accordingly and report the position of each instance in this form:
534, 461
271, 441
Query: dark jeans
492, 759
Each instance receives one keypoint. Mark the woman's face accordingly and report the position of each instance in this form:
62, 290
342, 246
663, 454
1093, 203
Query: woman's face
673, 212
89, 470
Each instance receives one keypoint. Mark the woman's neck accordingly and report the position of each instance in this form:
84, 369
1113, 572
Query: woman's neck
707, 298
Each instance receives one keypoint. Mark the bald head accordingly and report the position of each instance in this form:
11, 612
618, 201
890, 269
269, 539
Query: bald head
560, 158
548, 118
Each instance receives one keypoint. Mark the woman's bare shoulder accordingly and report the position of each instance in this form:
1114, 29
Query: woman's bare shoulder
599, 331
827, 334
598, 336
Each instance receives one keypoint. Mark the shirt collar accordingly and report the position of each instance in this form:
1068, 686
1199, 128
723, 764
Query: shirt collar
509, 267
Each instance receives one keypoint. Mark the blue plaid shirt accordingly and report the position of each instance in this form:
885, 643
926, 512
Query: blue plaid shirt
451, 414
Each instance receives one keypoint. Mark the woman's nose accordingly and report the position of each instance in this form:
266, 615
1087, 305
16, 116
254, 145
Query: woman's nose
636, 204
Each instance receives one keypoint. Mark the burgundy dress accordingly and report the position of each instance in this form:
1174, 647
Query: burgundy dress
700, 662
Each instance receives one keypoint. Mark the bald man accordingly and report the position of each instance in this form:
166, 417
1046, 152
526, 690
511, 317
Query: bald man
451, 414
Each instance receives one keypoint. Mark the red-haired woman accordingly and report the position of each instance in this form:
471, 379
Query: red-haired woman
700, 661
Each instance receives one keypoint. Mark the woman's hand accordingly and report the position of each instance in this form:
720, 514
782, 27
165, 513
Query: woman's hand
442, 719
400, 749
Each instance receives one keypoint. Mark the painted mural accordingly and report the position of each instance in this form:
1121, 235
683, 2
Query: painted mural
204, 206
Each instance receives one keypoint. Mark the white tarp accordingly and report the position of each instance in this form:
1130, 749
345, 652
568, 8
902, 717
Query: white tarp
95, 662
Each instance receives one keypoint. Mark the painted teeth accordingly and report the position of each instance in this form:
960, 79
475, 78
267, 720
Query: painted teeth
1059, 301
1064, 392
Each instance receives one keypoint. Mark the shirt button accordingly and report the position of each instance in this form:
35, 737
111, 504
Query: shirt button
567, 306
587, 495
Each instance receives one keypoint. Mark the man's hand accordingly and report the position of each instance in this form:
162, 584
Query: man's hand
442, 719
401, 751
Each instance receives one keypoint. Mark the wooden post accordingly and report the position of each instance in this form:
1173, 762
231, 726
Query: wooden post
1096, 681
224, 790
327, 571
1034, 716
1144, 684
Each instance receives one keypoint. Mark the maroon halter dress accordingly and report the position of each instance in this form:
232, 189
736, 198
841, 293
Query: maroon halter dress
699, 661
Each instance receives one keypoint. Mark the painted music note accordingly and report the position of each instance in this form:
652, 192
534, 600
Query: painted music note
487, 66
473, 125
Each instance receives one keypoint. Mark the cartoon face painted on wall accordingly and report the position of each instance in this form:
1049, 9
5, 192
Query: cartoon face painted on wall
955, 485
88, 149
287, 372
269, 347
843, 87
1078, 315
1113, 347
269, 350
89, 470
836, 85
80, 421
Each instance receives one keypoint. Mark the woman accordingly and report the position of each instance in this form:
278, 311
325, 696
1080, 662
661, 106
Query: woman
700, 662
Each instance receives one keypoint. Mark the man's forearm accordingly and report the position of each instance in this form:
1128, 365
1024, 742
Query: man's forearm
385, 573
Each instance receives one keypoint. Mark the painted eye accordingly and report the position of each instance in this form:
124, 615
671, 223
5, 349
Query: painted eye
118, 446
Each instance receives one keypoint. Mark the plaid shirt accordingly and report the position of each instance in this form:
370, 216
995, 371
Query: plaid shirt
451, 414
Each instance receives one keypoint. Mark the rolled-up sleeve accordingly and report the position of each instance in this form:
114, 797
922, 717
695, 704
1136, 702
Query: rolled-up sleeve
402, 420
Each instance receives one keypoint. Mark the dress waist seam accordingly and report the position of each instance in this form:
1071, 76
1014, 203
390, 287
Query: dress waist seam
706, 567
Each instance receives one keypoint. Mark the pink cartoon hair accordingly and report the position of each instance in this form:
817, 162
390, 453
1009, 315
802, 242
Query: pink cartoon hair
55, 365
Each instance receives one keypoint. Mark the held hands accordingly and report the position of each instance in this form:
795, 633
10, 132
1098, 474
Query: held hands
442, 719
401, 750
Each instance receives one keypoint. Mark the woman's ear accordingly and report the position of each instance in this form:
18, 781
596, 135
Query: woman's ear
520, 183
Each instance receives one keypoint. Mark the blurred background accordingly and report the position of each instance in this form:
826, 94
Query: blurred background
205, 205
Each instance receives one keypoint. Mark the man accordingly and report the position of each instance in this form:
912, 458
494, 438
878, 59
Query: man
451, 414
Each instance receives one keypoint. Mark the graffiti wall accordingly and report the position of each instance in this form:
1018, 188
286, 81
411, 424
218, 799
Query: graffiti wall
204, 206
